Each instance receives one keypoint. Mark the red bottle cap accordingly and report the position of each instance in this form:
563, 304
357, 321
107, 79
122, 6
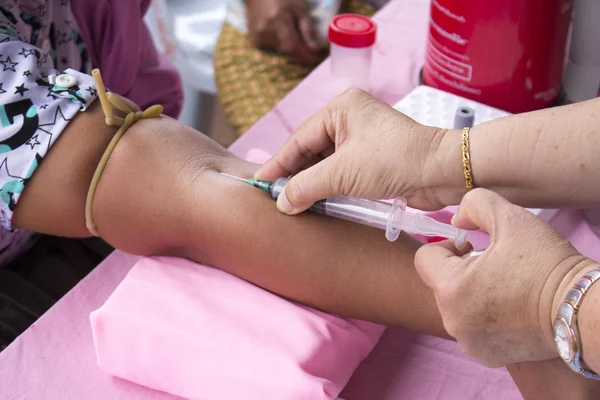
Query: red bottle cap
435, 239
352, 30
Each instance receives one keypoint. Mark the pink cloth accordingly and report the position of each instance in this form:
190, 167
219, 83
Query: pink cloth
120, 45
201, 333
55, 360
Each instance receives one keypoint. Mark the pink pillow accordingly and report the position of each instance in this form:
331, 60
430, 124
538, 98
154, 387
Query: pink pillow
201, 333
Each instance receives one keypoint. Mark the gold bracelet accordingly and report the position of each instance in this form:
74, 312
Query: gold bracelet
466, 159
132, 116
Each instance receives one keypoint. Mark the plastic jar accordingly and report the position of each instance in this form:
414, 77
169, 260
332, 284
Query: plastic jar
352, 38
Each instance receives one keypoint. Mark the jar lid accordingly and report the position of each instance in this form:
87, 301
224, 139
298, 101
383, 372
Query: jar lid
352, 30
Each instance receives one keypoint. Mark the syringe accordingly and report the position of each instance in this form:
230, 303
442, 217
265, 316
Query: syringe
391, 217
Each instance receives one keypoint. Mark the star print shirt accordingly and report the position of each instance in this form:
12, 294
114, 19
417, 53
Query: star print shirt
37, 100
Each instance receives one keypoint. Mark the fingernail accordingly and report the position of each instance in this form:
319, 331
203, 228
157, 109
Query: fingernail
283, 204
452, 219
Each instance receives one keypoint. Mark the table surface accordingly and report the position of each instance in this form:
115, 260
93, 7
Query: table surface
54, 358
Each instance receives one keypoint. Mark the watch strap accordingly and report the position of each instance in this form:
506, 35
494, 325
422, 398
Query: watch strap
568, 311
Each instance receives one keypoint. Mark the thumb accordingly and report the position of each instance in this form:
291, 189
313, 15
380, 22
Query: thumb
305, 24
433, 262
309, 186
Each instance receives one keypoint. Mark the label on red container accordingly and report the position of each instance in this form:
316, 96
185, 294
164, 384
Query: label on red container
448, 66
505, 53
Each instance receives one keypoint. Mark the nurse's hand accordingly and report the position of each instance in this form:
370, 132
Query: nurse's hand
500, 305
360, 146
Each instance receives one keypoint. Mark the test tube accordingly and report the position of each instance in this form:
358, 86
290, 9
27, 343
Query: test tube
464, 117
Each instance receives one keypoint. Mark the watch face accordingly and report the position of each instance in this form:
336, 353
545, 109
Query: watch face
563, 339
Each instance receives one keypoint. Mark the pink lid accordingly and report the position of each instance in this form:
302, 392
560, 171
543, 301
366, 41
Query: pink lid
352, 30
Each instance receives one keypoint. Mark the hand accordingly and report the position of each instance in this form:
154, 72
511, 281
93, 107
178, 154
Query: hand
283, 25
360, 146
500, 305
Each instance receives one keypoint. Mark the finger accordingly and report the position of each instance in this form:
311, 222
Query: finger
309, 186
305, 24
289, 39
286, 32
481, 209
302, 148
307, 31
262, 35
303, 53
434, 262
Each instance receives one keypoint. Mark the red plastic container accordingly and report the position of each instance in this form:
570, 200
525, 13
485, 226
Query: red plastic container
508, 54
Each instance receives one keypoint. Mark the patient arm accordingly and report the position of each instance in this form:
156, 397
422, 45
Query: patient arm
161, 194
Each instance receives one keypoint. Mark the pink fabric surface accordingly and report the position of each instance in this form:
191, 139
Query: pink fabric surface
202, 333
55, 360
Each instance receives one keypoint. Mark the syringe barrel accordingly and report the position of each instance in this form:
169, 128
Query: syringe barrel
392, 218
367, 212
277, 187
424, 225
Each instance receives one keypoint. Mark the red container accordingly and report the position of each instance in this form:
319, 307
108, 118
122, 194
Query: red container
508, 54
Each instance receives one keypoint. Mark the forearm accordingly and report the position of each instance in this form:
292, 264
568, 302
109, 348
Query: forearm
547, 158
161, 194
175, 202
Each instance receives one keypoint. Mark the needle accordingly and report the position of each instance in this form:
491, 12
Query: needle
234, 177
265, 186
